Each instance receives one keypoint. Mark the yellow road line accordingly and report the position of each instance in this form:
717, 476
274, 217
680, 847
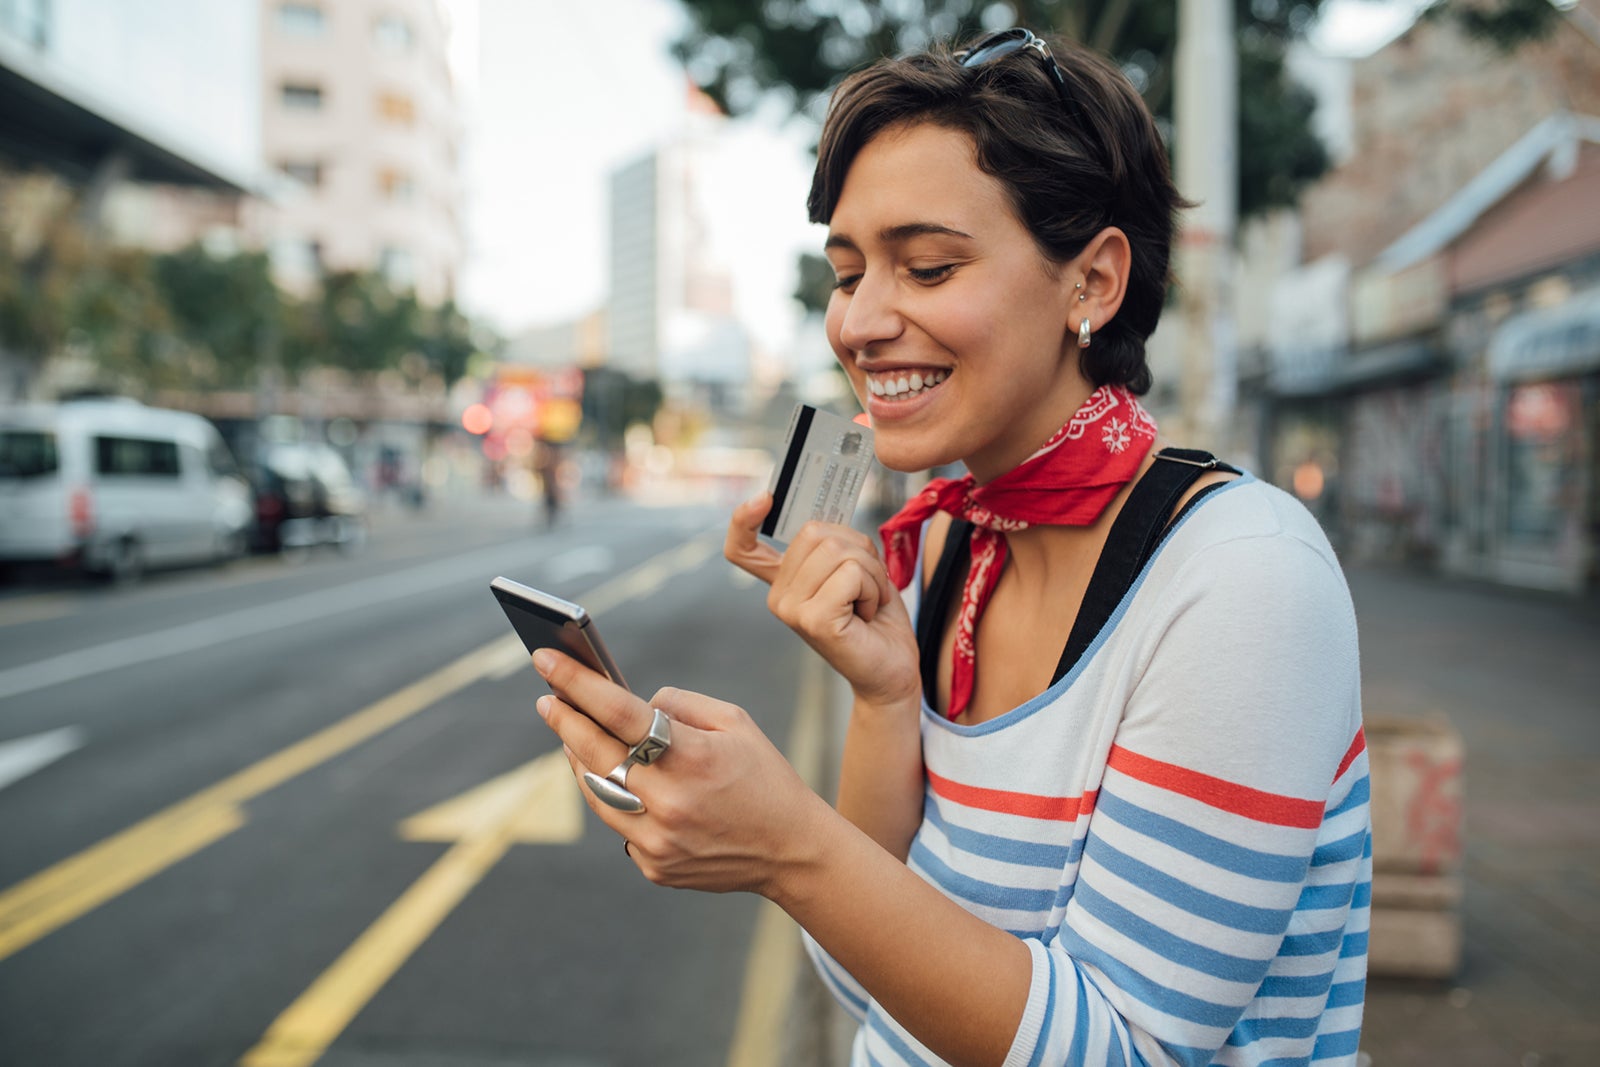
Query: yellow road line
43, 903
304, 1031
35, 608
774, 960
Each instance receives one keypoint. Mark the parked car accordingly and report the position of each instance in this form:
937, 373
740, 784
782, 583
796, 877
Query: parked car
112, 487
304, 496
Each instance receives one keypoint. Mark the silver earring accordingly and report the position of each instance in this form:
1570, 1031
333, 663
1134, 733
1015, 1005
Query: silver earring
1083, 334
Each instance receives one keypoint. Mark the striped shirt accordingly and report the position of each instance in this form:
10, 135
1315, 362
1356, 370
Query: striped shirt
1179, 828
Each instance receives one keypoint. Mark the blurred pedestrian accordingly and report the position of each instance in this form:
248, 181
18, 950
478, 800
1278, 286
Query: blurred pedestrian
547, 465
1103, 796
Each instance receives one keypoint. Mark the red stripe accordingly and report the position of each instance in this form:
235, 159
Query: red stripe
1031, 805
1220, 793
1356, 748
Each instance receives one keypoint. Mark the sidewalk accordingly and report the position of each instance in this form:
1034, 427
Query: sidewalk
1518, 674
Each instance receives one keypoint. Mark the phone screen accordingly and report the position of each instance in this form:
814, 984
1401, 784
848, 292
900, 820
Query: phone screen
546, 621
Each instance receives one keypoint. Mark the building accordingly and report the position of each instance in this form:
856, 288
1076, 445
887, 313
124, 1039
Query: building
1424, 372
142, 120
359, 112
670, 306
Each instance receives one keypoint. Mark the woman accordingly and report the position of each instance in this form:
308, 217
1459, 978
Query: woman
1150, 846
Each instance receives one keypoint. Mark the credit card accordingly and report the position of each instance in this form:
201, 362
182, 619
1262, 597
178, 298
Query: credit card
825, 462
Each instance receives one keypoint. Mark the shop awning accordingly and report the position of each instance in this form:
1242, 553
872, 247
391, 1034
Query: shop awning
1555, 342
1347, 372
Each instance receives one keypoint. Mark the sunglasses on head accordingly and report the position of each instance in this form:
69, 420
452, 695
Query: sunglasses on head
997, 46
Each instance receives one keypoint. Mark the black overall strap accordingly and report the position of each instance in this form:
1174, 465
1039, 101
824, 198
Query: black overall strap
1133, 540
935, 606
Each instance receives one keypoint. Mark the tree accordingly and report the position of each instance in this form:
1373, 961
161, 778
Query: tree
740, 52
356, 323
227, 307
803, 48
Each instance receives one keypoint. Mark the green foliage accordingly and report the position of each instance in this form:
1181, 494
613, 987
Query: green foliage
193, 320
613, 400
738, 52
226, 307
815, 286
1505, 24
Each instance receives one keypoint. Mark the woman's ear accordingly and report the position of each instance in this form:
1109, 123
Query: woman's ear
1102, 271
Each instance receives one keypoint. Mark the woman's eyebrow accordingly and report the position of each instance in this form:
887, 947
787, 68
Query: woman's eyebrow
895, 234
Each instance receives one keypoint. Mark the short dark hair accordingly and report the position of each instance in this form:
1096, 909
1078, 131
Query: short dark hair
1069, 173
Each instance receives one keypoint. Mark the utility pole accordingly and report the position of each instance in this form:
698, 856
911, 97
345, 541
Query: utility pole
1206, 109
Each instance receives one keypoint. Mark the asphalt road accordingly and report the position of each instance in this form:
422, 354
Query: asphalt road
208, 786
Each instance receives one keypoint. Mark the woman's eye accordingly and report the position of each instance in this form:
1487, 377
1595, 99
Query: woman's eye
846, 282
931, 274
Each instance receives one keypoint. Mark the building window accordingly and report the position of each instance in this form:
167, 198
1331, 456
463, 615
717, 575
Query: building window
301, 97
396, 185
397, 108
397, 267
304, 171
393, 34
298, 257
303, 19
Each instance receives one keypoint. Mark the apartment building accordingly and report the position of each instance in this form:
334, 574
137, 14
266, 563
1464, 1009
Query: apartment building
360, 113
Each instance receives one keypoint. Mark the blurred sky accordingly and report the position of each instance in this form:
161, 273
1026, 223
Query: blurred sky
557, 93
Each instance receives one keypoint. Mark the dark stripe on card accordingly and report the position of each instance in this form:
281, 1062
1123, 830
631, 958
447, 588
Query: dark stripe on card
791, 460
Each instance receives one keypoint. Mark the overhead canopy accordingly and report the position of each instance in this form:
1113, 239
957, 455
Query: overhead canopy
45, 123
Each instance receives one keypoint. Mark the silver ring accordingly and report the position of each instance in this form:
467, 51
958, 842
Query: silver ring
612, 790
655, 743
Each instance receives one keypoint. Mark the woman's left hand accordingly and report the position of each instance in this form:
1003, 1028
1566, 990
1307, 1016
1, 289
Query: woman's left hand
724, 811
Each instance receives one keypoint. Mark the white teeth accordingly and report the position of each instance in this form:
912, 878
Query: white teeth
905, 385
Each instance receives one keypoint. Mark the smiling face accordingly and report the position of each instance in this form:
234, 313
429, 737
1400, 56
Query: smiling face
957, 338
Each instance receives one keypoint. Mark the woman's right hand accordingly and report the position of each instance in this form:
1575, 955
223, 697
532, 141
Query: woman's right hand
830, 586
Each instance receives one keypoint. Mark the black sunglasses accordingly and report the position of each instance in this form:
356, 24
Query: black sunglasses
1008, 42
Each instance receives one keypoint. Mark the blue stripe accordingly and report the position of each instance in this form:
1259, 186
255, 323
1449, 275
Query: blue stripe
879, 1026
1311, 944
1344, 1043
1341, 851
1354, 945
841, 992
996, 847
1162, 998
1043, 1040
1285, 1061
1322, 897
1347, 994
975, 889
1195, 901
1167, 944
1267, 866
1250, 1031
1362, 897
1285, 985
1358, 796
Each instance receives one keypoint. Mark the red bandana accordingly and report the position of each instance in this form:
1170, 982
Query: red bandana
1068, 482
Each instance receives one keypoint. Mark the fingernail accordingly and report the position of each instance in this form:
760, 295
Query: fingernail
542, 706
544, 662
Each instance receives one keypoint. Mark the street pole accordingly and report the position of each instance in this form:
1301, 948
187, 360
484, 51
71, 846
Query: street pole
1206, 111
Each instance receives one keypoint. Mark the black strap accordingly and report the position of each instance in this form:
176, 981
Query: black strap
935, 606
1134, 536
1132, 541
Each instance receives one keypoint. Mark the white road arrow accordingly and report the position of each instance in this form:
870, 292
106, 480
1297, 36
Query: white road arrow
24, 755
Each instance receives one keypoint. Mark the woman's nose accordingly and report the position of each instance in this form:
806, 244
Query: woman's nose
870, 317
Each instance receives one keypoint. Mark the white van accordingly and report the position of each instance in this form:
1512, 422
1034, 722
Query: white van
113, 487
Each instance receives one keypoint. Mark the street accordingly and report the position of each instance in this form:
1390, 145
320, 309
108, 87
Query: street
296, 812
218, 857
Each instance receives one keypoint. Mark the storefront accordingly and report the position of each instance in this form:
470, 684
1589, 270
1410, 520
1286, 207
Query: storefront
1522, 442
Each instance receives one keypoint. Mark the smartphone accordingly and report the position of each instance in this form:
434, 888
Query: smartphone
546, 621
